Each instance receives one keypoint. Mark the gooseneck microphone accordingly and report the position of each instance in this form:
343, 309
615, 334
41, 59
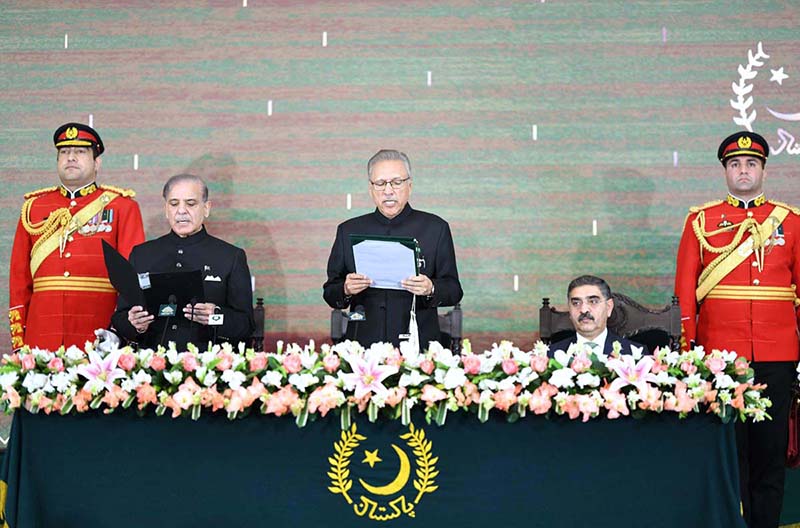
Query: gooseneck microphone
172, 300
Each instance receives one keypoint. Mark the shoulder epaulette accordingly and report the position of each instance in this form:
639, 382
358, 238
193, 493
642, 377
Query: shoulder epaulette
698, 208
795, 210
128, 193
37, 192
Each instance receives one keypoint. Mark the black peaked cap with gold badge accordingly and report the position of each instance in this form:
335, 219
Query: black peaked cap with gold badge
743, 144
78, 135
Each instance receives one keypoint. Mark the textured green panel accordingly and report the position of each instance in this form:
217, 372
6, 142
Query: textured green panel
614, 89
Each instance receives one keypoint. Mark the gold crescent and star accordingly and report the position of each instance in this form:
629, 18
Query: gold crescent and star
399, 481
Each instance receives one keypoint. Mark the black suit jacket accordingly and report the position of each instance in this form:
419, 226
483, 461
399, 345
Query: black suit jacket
388, 311
607, 349
232, 293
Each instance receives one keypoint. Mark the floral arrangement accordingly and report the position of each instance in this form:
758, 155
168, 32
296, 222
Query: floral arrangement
381, 380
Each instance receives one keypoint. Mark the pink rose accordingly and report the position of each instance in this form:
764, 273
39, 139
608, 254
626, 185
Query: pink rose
539, 363
581, 363
225, 361
331, 363
56, 364
292, 363
715, 364
158, 363
688, 367
28, 363
189, 362
472, 364
127, 362
259, 362
540, 402
510, 366
427, 366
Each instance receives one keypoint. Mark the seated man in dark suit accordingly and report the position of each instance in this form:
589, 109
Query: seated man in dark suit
590, 306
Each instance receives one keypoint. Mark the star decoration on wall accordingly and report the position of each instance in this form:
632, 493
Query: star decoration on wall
778, 76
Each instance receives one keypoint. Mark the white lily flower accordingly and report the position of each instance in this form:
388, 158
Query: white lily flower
723, 381
173, 356
507, 383
455, 377
207, 357
9, 378
74, 353
488, 385
414, 378
34, 381
693, 380
663, 378
233, 378
562, 377
302, 381
174, 377
563, 356
210, 378
636, 352
272, 378
308, 359
587, 379
61, 381
237, 360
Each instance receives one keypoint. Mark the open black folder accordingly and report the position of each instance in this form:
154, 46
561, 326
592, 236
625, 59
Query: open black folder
152, 290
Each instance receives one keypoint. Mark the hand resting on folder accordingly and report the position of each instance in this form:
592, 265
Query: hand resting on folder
355, 283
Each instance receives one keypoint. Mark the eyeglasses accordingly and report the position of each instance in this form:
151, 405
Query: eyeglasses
395, 183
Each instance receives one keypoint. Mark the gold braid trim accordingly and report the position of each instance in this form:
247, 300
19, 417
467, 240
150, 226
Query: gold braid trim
749, 225
37, 192
46, 228
795, 210
128, 193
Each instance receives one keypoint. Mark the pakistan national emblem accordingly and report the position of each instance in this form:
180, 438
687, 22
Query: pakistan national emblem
383, 502
745, 103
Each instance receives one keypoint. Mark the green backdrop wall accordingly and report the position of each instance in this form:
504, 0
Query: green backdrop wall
557, 137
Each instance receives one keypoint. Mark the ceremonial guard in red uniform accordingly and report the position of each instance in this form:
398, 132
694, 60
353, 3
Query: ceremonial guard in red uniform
59, 287
737, 272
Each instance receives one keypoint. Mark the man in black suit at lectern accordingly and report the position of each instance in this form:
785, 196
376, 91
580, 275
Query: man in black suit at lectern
219, 307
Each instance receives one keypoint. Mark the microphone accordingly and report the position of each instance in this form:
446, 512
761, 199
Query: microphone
216, 325
172, 301
356, 316
192, 302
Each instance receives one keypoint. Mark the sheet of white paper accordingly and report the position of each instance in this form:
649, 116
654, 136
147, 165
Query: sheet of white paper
386, 263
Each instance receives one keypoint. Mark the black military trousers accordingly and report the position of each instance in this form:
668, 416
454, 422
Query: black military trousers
762, 447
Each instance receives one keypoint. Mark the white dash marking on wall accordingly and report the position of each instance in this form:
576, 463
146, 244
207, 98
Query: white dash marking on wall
324, 39
594, 227
252, 277
516, 282
535, 132
430, 77
135, 162
269, 107
349, 201
244, 3
91, 120
663, 34
674, 158
66, 40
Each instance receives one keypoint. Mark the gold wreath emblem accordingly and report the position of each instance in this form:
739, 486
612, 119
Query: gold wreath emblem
373, 509
71, 133
745, 142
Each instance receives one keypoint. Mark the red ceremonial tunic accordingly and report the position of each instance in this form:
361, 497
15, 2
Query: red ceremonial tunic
753, 310
70, 295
